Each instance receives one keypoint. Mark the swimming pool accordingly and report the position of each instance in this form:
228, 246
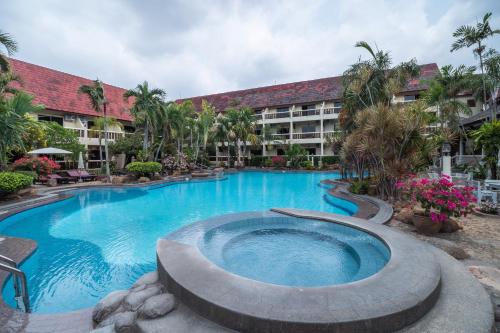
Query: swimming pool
102, 240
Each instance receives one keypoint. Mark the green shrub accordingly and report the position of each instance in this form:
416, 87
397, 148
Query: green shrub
143, 168
11, 182
359, 187
32, 174
330, 159
268, 162
296, 154
257, 161
307, 164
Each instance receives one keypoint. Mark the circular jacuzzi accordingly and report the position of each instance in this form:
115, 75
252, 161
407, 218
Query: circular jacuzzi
294, 252
269, 272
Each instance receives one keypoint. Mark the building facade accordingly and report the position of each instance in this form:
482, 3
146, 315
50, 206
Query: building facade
304, 113
58, 92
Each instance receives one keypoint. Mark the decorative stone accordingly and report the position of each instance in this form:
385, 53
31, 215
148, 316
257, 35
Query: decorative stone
451, 226
425, 225
108, 305
135, 299
125, 322
104, 329
157, 306
144, 180
449, 247
117, 180
52, 182
404, 215
148, 278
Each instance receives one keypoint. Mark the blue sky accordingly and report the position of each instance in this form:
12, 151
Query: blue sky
199, 47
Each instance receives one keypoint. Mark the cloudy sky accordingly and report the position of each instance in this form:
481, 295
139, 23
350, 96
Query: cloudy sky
199, 47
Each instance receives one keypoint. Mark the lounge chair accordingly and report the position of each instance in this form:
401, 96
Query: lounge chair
59, 179
87, 176
69, 175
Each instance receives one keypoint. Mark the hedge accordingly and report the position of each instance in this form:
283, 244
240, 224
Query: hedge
11, 182
144, 168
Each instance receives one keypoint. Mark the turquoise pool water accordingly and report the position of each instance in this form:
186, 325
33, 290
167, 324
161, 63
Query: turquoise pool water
102, 240
288, 251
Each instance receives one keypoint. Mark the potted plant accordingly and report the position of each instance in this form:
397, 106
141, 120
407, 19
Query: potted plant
437, 203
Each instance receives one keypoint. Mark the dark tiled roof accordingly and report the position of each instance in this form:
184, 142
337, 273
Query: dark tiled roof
59, 91
302, 92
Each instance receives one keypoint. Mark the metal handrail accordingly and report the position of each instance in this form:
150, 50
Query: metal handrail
17, 274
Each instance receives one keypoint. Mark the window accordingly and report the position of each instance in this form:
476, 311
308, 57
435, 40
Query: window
280, 152
410, 98
337, 105
258, 131
54, 119
311, 151
283, 130
308, 107
129, 129
471, 103
308, 129
258, 112
279, 110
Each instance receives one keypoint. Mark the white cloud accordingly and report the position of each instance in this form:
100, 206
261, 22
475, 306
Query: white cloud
204, 47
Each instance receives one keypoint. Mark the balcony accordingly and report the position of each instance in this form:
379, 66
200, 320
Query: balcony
277, 115
308, 135
307, 113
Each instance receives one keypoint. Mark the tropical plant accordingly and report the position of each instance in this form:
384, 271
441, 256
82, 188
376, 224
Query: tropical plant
10, 45
11, 182
14, 121
278, 161
145, 108
296, 154
146, 169
242, 124
41, 165
488, 137
99, 126
467, 36
387, 139
95, 93
127, 144
223, 133
206, 121
439, 198
372, 82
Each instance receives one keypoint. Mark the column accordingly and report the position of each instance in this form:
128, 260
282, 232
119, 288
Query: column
291, 122
321, 128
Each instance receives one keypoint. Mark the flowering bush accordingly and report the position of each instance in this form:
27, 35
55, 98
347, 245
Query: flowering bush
41, 165
278, 161
488, 208
179, 162
440, 198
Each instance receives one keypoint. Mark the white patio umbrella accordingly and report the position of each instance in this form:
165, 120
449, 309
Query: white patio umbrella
81, 166
49, 151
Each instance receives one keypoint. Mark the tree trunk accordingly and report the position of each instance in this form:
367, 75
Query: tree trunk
108, 172
146, 137
100, 150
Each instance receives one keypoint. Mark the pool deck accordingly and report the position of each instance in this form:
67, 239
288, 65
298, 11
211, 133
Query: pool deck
462, 306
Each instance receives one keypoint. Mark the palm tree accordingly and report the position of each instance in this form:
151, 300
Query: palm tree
206, 121
244, 128
488, 137
370, 82
14, 122
467, 36
223, 133
146, 104
180, 118
95, 93
166, 112
99, 125
10, 46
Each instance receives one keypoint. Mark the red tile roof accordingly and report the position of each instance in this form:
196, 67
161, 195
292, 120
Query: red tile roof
59, 91
302, 92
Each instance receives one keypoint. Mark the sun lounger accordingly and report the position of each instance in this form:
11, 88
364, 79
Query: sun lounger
59, 179
87, 176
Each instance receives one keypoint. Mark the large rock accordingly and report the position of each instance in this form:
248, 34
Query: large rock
144, 180
148, 278
125, 322
449, 247
157, 306
108, 305
135, 299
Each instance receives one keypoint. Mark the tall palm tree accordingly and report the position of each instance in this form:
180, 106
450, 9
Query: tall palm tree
223, 133
180, 119
370, 82
467, 36
488, 137
166, 112
147, 103
14, 122
10, 45
99, 125
95, 93
206, 121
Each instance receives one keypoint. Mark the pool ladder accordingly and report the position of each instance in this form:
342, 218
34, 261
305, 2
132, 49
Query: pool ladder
21, 291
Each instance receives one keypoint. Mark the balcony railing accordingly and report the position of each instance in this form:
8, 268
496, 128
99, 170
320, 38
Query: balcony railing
94, 134
332, 110
306, 113
277, 115
310, 135
280, 136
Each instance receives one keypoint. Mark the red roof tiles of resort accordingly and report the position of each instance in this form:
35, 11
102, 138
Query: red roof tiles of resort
59, 91
302, 92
